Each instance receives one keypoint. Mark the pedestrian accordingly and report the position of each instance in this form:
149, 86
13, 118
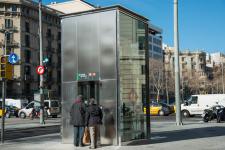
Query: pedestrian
93, 121
77, 114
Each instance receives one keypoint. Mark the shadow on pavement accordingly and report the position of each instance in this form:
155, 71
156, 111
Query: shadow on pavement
178, 135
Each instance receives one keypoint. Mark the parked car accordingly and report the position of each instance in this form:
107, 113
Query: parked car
51, 106
11, 111
26, 111
160, 109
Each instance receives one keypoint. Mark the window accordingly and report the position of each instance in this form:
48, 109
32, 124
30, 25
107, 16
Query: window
194, 100
8, 23
27, 40
49, 33
2, 7
141, 40
183, 58
9, 37
150, 46
143, 69
27, 27
59, 35
141, 25
27, 56
14, 8
27, 70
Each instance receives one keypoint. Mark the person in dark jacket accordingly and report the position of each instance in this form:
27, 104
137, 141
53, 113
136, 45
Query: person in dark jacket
77, 114
93, 120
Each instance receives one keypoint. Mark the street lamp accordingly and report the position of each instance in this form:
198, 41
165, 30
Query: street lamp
177, 67
222, 77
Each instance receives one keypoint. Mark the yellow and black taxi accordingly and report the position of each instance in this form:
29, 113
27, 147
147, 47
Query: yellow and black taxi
9, 111
160, 109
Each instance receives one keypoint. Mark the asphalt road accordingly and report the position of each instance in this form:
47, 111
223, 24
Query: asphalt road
12, 134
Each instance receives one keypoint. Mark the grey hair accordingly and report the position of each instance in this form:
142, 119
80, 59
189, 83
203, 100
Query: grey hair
92, 101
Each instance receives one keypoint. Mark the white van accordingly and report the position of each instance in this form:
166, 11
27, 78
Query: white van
19, 103
196, 104
52, 107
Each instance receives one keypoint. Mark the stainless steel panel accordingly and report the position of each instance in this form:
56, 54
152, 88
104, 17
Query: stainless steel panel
88, 43
69, 91
107, 37
69, 56
108, 101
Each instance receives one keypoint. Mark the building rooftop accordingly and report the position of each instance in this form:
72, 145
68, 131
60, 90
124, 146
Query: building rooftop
116, 7
72, 6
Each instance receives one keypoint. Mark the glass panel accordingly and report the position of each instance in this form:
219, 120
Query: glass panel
132, 79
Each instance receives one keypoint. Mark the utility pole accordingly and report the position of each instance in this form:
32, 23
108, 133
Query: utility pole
177, 67
41, 63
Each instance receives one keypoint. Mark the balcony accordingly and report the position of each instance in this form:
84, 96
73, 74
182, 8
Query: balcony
11, 43
9, 29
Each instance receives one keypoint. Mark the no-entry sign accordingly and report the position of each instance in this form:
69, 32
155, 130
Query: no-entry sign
40, 70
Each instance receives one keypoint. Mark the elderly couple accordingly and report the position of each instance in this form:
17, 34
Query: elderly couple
85, 116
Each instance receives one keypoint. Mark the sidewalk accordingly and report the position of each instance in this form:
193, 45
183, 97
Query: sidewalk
165, 136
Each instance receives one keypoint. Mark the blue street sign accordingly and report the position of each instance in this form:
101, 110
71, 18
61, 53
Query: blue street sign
13, 58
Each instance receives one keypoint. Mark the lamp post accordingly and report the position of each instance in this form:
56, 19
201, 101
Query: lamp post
177, 67
222, 78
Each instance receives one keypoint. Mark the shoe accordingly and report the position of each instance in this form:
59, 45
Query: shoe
92, 147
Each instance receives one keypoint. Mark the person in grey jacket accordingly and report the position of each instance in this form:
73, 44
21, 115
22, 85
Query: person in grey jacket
77, 114
93, 120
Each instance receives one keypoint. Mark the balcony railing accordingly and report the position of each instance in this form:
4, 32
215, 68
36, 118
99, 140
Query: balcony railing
10, 44
9, 28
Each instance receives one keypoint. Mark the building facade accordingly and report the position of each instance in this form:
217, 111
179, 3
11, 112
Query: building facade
155, 62
19, 23
191, 63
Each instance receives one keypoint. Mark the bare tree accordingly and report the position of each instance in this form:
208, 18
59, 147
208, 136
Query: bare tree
156, 75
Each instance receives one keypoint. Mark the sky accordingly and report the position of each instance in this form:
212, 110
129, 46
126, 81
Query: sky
201, 22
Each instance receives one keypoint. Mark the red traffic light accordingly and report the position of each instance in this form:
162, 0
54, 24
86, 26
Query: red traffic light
3, 59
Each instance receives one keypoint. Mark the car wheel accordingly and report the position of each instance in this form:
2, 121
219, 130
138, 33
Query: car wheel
185, 113
161, 113
206, 118
22, 115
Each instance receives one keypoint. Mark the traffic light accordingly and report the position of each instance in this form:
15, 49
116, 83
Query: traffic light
6, 69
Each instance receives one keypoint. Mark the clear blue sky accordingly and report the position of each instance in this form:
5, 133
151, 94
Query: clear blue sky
201, 22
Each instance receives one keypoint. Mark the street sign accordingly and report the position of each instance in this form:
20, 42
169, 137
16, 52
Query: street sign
13, 58
40, 70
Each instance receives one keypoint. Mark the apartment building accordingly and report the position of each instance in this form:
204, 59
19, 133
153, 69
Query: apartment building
191, 63
19, 26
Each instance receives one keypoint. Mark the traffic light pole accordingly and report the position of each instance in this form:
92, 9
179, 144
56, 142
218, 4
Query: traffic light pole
3, 97
41, 63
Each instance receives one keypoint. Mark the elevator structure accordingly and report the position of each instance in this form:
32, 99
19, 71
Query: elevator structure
105, 56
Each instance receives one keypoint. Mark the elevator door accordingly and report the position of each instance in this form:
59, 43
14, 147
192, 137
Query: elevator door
89, 89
